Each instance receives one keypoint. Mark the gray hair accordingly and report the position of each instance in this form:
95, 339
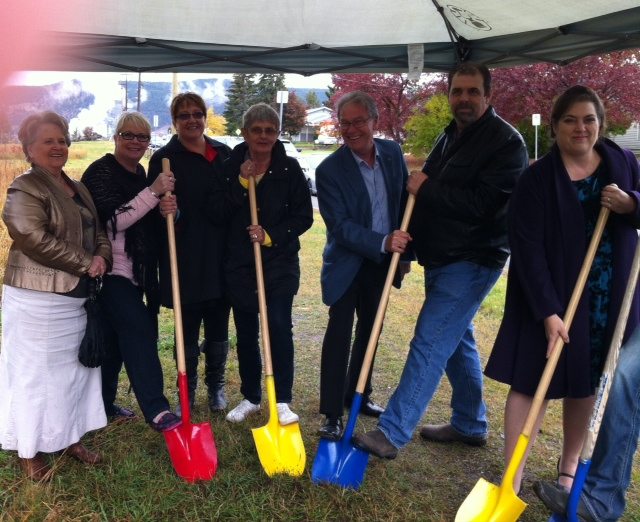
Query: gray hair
260, 112
30, 125
136, 119
360, 98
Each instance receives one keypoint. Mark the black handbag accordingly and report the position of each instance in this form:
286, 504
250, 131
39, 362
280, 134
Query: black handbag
93, 346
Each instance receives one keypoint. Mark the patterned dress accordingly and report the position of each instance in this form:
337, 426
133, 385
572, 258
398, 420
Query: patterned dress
599, 281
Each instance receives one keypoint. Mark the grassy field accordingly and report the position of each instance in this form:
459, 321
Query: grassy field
427, 482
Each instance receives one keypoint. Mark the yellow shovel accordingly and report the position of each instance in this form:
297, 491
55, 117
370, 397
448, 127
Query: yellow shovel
490, 503
280, 448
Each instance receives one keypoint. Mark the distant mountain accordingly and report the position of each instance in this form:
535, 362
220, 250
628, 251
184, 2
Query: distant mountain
101, 110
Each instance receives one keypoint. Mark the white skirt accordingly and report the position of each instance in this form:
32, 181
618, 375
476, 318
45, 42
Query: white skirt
48, 400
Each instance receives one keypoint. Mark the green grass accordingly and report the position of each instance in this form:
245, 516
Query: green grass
427, 482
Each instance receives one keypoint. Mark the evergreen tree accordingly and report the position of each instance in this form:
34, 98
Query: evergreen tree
267, 88
240, 96
330, 93
312, 100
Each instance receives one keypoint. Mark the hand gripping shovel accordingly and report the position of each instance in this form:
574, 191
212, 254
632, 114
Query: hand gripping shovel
340, 462
280, 448
490, 503
602, 395
191, 446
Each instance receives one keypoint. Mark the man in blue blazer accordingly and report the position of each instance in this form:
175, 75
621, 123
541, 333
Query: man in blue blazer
361, 194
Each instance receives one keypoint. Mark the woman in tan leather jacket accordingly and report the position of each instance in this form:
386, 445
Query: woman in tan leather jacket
48, 400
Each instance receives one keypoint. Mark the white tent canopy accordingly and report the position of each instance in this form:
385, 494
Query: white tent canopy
319, 36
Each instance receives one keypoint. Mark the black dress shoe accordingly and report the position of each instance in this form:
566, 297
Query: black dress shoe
120, 414
331, 429
555, 497
371, 409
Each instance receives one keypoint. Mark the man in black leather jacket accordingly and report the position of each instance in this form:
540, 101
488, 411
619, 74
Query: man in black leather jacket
459, 232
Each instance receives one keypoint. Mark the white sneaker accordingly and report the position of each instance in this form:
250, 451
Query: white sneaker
285, 415
242, 411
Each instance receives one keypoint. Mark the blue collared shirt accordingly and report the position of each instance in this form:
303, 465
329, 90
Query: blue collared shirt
373, 178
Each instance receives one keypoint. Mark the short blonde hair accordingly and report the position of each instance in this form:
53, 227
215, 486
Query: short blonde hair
137, 119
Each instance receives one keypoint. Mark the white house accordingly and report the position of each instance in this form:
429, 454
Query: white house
315, 119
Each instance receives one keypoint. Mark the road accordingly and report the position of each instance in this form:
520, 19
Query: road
314, 159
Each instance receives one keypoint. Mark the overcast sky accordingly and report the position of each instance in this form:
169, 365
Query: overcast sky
317, 81
107, 89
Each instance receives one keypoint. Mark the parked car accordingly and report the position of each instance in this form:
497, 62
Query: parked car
323, 139
293, 152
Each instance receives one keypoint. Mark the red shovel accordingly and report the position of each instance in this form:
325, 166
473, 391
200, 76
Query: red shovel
191, 447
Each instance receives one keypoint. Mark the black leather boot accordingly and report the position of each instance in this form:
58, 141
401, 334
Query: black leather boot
215, 357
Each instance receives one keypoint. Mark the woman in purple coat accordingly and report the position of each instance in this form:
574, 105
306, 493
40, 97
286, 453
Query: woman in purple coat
552, 217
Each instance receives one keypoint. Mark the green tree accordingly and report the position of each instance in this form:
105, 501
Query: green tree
312, 100
267, 88
241, 95
425, 126
216, 124
330, 93
295, 115
529, 135
88, 134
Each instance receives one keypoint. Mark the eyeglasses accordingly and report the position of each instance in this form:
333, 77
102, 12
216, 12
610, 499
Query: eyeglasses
186, 116
268, 131
357, 123
142, 138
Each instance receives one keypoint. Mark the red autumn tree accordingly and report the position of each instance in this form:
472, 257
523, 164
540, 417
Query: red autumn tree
521, 91
396, 97
295, 114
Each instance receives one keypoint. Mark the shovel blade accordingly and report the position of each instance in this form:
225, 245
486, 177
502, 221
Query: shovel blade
280, 448
193, 451
340, 463
490, 503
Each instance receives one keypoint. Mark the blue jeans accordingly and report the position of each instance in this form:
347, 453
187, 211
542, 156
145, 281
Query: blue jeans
443, 341
133, 332
606, 485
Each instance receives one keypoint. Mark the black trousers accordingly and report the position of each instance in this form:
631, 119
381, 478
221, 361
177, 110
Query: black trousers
338, 374
133, 341
281, 341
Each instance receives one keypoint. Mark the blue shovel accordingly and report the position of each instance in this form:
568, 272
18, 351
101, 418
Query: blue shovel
602, 395
341, 462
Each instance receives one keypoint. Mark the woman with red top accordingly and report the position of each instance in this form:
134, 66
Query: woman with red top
196, 162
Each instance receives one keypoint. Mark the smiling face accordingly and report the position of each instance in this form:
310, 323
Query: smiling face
578, 129
260, 137
49, 149
467, 99
356, 127
190, 129
130, 152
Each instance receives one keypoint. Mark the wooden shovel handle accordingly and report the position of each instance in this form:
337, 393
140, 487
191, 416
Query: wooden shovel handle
384, 300
262, 300
602, 394
552, 362
175, 283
